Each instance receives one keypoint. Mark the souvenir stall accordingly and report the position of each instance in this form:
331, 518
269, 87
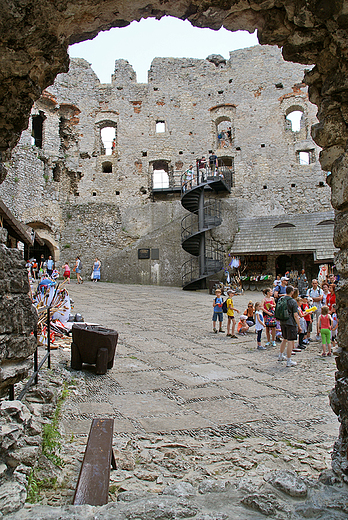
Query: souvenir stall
255, 274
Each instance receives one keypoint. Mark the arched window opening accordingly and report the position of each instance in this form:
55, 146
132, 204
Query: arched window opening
160, 127
283, 225
37, 129
224, 132
160, 177
107, 167
294, 118
108, 137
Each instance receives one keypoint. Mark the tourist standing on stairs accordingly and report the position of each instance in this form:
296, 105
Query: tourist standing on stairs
290, 326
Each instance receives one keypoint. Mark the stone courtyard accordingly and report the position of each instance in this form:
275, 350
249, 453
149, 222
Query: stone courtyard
193, 407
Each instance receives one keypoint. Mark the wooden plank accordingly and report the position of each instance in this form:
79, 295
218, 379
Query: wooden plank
93, 482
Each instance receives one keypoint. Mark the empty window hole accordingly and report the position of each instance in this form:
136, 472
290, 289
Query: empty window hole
321, 184
144, 154
94, 194
160, 127
238, 148
293, 185
263, 145
107, 167
264, 187
117, 192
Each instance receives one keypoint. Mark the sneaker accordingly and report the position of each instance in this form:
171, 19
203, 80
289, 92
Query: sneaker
228, 335
293, 353
220, 330
282, 357
297, 350
329, 354
291, 363
318, 338
267, 344
234, 336
260, 347
302, 346
274, 344
214, 330
323, 354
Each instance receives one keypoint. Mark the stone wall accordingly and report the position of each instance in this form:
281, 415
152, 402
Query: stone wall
18, 317
81, 210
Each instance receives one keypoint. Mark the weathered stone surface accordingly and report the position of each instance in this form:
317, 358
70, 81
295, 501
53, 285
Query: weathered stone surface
288, 482
339, 183
12, 497
266, 503
213, 486
181, 489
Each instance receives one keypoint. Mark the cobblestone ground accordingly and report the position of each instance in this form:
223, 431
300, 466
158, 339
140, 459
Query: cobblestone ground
189, 404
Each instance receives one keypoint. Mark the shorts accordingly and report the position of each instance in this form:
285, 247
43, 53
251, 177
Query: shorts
309, 326
78, 270
289, 332
218, 316
325, 336
66, 274
230, 317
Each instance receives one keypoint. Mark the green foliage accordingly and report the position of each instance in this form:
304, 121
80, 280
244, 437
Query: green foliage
51, 436
35, 486
68, 216
67, 246
45, 176
33, 493
16, 179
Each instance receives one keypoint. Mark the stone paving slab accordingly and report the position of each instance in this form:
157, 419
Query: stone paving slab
143, 405
175, 423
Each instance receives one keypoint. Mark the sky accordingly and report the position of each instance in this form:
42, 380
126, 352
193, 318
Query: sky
142, 41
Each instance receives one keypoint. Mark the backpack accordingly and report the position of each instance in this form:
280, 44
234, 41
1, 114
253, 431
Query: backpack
281, 312
224, 306
80, 265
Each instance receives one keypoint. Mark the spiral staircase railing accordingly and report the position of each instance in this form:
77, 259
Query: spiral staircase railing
207, 256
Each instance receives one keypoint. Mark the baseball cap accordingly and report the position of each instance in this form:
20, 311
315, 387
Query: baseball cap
284, 278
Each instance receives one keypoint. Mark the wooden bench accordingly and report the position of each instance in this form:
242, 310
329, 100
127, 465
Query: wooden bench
93, 482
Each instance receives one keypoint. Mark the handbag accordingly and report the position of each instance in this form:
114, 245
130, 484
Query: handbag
270, 321
92, 277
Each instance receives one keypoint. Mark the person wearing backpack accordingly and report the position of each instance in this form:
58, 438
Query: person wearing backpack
230, 315
280, 289
286, 312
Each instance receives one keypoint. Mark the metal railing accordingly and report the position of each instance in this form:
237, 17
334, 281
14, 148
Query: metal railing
37, 366
203, 265
191, 178
172, 181
190, 224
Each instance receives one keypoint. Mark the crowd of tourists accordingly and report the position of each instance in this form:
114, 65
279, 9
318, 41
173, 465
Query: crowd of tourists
47, 270
286, 315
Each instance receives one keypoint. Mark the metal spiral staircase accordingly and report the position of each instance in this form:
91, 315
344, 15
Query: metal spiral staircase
205, 214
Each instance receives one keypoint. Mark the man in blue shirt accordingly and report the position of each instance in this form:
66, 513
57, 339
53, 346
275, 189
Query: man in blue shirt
50, 266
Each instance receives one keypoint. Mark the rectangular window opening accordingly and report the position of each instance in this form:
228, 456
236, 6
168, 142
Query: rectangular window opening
160, 127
